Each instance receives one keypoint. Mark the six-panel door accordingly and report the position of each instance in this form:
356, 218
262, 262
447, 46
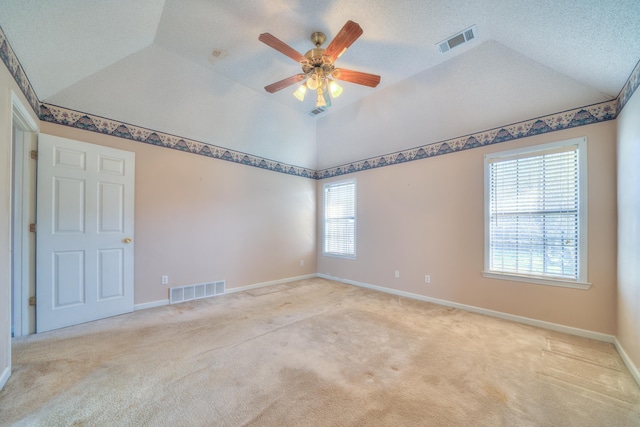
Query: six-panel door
84, 261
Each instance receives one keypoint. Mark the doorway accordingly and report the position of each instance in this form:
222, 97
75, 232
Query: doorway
24, 132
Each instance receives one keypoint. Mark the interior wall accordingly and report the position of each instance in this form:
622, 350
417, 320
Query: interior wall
199, 219
427, 217
449, 101
131, 86
629, 228
7, 85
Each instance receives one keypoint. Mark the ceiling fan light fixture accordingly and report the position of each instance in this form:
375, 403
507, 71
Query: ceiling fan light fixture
318, 69
334, 89
313, 82
300, 92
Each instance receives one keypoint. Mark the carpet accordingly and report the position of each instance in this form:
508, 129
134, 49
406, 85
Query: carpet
315, 353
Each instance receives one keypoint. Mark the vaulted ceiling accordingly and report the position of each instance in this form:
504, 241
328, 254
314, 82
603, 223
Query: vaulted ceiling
195, 68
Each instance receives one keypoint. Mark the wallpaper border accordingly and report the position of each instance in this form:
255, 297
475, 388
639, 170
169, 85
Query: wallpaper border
629, 87
68, 117
582, 116
15, 69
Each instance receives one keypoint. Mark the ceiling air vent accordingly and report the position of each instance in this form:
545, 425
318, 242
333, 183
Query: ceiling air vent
316, 111
462, 37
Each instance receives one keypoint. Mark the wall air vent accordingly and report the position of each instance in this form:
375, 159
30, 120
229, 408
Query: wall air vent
199, 291
456, 40
316, 111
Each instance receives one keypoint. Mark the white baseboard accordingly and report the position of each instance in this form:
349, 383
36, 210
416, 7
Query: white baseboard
627, 361
520, 319
5, 376
273, 282
151, 304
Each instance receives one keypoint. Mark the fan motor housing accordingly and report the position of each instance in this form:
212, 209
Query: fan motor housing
316, 58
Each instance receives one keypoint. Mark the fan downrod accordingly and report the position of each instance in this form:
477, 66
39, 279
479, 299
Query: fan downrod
318, 38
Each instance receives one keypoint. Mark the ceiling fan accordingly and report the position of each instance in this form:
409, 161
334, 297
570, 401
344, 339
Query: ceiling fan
318, 70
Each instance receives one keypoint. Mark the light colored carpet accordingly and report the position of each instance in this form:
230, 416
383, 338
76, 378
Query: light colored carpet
315, 352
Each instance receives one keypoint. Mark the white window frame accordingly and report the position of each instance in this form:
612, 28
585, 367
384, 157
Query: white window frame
325, 188
582, 281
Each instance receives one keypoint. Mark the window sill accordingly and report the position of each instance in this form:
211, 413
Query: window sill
334, 255
537, 280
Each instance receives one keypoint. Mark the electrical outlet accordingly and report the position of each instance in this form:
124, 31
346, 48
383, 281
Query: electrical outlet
397, 274
301, 263
427, 279
165, 280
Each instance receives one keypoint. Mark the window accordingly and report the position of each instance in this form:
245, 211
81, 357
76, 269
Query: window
340, 219
535, 214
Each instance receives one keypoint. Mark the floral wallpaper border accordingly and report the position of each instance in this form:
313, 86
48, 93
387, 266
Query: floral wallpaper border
15, 68
629, 88
554, 122
595, 113
67, 117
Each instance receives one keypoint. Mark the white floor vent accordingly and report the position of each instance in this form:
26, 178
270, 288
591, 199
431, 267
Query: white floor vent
198, 291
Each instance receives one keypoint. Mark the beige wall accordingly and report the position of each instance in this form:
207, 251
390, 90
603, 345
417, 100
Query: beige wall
629, 228
427, 217
448, 101
199, 219
7, 86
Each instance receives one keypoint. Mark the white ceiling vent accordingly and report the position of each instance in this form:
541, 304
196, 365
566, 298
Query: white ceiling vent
316, 111
462, 37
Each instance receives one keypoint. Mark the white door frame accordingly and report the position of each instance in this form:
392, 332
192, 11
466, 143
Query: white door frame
24, 132
20, 118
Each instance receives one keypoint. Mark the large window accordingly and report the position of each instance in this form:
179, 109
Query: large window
535, 217
340, 219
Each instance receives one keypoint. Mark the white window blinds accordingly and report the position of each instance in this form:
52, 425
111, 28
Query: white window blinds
534, 213
340, 218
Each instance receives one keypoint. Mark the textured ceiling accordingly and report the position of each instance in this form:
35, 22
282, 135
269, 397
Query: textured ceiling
196, 68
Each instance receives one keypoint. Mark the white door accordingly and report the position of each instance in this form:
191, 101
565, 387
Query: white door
84, 246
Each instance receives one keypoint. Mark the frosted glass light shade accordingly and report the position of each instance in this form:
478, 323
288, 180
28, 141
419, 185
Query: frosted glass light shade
334, 89
313, 82
299, 93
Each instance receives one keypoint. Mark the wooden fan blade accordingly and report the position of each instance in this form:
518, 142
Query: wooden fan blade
356, 77
345, 38
274, 87
280, 46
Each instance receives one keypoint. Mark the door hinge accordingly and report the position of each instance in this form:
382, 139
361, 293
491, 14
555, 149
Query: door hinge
32, 301
32, 228
34, 154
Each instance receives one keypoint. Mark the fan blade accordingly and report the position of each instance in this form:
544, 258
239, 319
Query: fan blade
356, 77
274, 87
345, 38
280, 46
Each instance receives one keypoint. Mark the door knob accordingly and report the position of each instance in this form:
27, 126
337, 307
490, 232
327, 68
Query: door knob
126, 240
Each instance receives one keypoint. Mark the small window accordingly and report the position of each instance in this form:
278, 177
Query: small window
340, 219
535, 215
